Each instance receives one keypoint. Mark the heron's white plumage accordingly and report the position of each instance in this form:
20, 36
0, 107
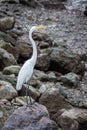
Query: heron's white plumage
24, 74
27, 69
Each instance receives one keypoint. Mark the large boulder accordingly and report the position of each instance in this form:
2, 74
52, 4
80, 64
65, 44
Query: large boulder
73, 119
54, 102
35, 117
64, 60
76, 97
6, 58
70, 79
6, 90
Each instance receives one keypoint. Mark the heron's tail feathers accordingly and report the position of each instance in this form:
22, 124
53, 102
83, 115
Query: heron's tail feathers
18, 86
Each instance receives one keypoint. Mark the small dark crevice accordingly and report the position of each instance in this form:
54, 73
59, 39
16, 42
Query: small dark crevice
83, 126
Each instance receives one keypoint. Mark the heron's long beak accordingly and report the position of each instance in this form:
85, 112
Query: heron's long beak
40, 27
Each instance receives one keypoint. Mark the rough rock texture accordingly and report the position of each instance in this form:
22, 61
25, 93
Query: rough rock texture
6, 58
13, 69
7, 38
71, 79
54, 102
77, 97
64, 60
35, 117
6, 90
3, 116
73, 119
6, 23
9, 78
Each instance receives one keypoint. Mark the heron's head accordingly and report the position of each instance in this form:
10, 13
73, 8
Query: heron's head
39, 27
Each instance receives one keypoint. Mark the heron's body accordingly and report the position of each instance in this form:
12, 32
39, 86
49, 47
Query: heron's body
25, 74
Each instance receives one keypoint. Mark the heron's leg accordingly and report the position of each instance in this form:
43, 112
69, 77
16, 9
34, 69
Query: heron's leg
29, 94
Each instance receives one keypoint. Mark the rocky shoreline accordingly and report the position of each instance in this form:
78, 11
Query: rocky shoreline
59, 81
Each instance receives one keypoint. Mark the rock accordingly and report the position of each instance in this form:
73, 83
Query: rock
45, 86
54, 102
40, 59
31, 3
71, 79
73, 119
12, 1
40, 76
13, 69
6, 58
6, 90
7, 39
6, 23
34, 93
23, 51
6, 45
3, 116
64, 60
76, 97
9, 78
35, 117
66, 123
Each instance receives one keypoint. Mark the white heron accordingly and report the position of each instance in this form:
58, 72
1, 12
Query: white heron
26, 71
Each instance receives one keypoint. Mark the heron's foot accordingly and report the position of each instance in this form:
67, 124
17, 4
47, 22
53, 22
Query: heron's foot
30, 104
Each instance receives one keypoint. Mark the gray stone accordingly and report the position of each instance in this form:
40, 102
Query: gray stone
54, 102
35, 117
73, 119
45, 86
71, 79
13, 69
64, 60
7, 23
6, 58
7, 91
3, 116
9, 78
76, 97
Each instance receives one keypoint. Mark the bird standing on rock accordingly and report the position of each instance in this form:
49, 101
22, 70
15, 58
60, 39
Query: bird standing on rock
26, 71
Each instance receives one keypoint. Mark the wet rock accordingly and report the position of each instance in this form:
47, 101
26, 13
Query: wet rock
73, 119
13, 69
6, 90
54, 102
64, 60
71, 79
6, 23
6, 58
35, 117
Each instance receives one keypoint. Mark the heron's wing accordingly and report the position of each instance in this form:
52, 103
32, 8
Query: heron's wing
24, 74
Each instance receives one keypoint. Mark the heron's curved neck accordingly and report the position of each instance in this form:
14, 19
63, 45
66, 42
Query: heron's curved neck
34, 55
